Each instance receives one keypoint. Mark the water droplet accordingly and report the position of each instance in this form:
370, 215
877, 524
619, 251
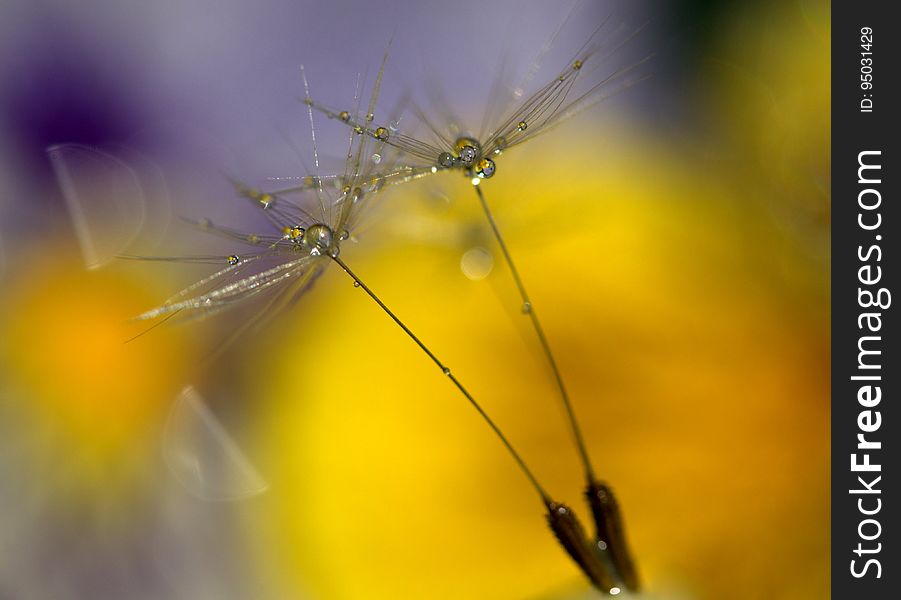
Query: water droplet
344, 235
344, 116
446, 159
577, 65
358, 129
522, 126
393, 126
467, 155
526, 308
602, 545
319, 238
614, 591
370, 117
476, 181
446, 371
376, 158
381, 133
233, 259
485, 168
356, 284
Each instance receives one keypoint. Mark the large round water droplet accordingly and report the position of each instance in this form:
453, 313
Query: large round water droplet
467, 155
319, 238
485, 168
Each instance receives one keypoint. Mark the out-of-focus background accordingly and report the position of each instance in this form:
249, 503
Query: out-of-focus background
674, 240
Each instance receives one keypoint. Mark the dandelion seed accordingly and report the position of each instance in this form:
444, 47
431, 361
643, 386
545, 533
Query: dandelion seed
549, 106
203, 457
305, 242
104, 197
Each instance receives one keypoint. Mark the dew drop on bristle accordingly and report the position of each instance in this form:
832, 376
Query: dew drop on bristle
376, 158
234, 259
344, 235
522, 126
486, 168
319, 238
446, 371
526, 308
467, 155
381, 133
356, 284
446, 159
344, 116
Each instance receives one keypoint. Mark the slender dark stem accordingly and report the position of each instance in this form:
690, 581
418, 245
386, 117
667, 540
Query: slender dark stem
529, 309
522, 465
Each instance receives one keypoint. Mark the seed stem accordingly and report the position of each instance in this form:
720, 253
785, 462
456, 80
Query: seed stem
545, 498
529, 308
